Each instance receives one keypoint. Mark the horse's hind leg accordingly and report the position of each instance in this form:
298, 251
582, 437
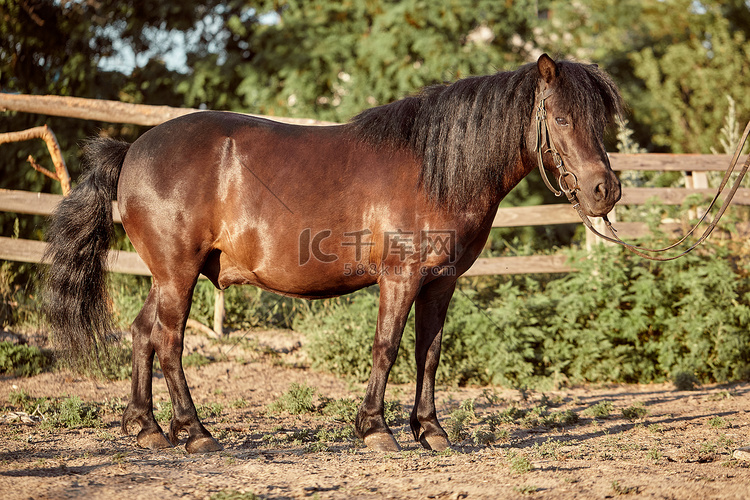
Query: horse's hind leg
431, 308
140, 406
172, 308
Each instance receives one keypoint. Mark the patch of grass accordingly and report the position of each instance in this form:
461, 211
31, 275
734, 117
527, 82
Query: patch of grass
238, 403
459, 418
163, 411
717, 422
105, 436
709, 447
719, 396
195, 360
316, 447
234, 495
620, 489
600, 410
537, 416
113, 405
341, 410
520, 464
482, 437
23, 360
340, 434
394, 413
210, 410
22, 399
73, 413
297, 400
560, 418
635, 412
654, 454
549, 449
491, 396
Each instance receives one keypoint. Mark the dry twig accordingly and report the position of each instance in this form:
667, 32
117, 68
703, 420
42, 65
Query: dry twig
45, 133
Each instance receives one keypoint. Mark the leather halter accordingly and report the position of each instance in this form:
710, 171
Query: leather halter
544, 144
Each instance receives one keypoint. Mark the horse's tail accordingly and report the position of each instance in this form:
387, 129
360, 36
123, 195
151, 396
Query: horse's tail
76, 301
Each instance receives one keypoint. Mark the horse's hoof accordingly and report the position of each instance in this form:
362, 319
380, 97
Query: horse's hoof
742, 454
435, 442
382, 441
203, 444
153, 441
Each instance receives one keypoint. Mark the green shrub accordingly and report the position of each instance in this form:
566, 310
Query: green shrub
600, 410
297, 400
23, 360
684, 381
234, 495
457, 424
195, 360
635, 412
211, 410
341, 410
621, 318
520, 464
340, 334
70, 412
246, 307
73, 412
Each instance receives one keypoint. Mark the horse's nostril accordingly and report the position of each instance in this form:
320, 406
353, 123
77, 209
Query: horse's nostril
600, 191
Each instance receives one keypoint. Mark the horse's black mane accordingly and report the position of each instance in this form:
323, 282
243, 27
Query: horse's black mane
468, 133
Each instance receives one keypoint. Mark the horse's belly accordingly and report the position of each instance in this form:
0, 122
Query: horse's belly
291, 278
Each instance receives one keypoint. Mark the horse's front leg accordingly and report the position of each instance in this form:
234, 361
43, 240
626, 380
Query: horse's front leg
396, 298
431, 308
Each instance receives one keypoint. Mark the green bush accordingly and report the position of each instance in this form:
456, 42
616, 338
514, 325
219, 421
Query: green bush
70, 412
341, 332
246, 307
297, 400
619, 319
23, 360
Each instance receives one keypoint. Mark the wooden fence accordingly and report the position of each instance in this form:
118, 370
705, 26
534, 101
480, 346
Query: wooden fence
23, 202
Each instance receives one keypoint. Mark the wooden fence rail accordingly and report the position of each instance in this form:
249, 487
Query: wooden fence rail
24, 202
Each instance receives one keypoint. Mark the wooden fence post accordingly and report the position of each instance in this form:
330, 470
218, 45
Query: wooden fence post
696, 180
219, 312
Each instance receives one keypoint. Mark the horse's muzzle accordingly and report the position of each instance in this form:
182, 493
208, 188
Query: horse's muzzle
599, 196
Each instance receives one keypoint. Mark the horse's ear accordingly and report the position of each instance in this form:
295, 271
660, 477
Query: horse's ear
547, 68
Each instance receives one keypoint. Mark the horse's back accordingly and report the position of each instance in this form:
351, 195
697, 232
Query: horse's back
236, 195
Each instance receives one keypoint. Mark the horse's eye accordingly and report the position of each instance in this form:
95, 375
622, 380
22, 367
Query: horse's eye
562, 122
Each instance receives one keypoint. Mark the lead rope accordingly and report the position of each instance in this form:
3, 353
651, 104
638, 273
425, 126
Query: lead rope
544, 137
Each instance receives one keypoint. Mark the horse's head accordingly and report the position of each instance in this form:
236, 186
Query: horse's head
574, 103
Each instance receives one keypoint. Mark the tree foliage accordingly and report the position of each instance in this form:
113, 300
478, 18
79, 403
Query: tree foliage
329, 60
675, 61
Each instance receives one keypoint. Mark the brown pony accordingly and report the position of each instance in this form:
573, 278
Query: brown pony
403, 196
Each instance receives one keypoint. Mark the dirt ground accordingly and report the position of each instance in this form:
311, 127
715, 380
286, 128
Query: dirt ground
681, 449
